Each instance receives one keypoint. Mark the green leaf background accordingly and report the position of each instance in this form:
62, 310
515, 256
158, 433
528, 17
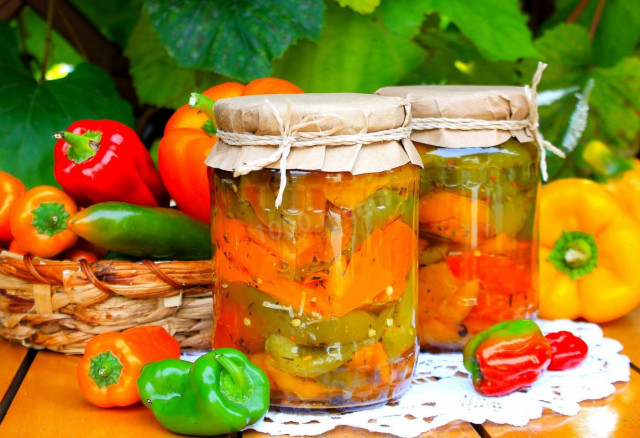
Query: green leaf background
31, 112
236, 38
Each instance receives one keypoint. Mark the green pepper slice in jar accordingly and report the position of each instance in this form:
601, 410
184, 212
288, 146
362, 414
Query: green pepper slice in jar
257, 313
400, 333
310, 361
303, 202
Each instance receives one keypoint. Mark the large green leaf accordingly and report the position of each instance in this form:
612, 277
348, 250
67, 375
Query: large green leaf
496, 27
615, 99
235, 38
158, 79
355, 53
403, 17
618, 31
454, 59
31, 112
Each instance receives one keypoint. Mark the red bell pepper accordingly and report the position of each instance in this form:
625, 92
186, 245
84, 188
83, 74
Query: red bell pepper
103, 160
506, 357
567, 350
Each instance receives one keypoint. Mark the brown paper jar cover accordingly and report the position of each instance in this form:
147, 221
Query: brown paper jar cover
349, 113
490, 103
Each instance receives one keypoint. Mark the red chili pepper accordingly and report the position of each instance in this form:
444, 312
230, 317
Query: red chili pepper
506, 357
567, 350
103, 160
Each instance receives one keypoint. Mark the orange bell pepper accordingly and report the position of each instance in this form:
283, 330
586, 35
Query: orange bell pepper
11, 188
189, 136
589, 245
109, 369
39, 221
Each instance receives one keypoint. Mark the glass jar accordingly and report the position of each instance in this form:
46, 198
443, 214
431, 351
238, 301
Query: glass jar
478, 248
319, 292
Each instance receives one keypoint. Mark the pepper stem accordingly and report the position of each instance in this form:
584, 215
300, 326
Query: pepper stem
105, 369
575, 253
50, 218
234, 383
605, 164
81, 146
205, 104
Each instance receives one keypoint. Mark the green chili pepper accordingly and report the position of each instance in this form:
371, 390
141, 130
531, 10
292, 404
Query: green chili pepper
146, 232
222, 392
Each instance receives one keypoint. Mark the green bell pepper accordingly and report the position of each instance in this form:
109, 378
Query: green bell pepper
222, 392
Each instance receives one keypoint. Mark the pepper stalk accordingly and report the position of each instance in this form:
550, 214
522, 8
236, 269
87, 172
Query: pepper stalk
81, 146
205, 104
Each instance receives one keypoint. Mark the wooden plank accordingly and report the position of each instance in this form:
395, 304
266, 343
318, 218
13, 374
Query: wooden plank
615, 416
11, 356
456, 429
49, 404
627, 331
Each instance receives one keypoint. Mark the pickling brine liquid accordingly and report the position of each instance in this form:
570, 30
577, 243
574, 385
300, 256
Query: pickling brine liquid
321, 292
478, 246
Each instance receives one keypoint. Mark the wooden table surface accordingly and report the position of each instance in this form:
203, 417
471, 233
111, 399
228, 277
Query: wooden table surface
40, 398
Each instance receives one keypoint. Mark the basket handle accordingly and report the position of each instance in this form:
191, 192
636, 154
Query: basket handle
28, 263
84, 265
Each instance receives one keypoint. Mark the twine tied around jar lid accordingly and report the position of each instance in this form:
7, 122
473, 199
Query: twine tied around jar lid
531, 123
293, 136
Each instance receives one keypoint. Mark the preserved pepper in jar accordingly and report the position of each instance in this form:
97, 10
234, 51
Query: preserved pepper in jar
314, 227
478, 247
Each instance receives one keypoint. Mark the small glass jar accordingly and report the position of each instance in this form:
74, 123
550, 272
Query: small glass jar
478, 248
319, 292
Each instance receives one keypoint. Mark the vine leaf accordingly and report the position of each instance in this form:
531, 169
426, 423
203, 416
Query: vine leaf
496, 27
614, 102
151, 65
618, 30
31, 112
235, 38
354, 54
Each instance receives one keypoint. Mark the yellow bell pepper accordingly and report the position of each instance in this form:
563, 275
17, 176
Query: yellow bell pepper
589, 249
620, 176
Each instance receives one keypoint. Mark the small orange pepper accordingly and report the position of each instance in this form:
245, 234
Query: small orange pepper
39, 221
109, 369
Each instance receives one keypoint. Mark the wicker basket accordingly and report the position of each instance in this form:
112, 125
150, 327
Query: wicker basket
60, 305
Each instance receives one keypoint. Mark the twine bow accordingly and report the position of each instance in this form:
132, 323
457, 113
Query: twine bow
532, 123
534, 119
292, 136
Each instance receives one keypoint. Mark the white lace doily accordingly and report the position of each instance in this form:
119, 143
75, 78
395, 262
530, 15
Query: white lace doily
442, 392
